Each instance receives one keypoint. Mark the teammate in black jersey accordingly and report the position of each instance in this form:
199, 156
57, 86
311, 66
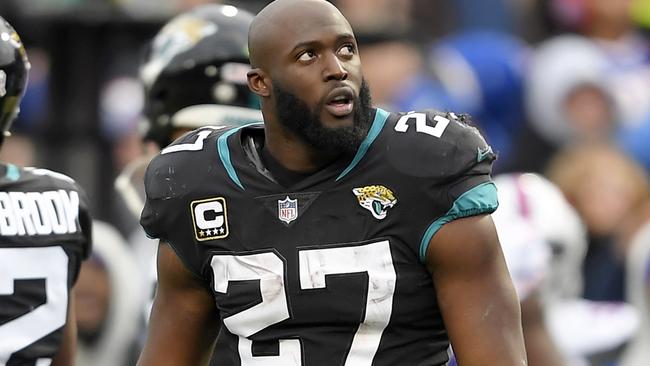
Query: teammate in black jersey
194, 75
332, 234
44, 236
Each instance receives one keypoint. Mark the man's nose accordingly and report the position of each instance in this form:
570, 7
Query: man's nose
334, 69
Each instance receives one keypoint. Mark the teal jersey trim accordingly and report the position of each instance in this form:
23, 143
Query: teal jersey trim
224, 153
376, 127
13, 173
481, 199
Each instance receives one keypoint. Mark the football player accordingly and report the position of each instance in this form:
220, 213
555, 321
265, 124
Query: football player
533, 219
334, 233
541, 237
45, 232
194, 75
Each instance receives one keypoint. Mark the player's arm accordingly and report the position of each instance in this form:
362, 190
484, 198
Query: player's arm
540, 347
184, 321
475, 294
65, 355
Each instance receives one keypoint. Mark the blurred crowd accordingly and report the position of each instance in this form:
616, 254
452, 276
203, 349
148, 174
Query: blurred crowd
559, 88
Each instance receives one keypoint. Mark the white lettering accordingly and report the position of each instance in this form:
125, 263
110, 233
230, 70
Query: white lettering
202, 208
41, 219
38, 213
25, 224
71, 208
421, 124
56, 210
8, 225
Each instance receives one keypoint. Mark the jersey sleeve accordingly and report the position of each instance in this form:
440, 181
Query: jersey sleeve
153, 218
166, 214
467, 188
452, 161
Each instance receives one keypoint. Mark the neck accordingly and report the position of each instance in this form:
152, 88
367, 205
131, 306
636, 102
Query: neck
290, 150
293, 153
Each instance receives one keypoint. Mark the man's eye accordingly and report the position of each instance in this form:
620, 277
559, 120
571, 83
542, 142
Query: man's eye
307, 56
347, 50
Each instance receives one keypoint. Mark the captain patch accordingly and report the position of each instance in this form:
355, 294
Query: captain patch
210, 218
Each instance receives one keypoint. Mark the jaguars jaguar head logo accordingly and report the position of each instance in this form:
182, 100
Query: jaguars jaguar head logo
376, 199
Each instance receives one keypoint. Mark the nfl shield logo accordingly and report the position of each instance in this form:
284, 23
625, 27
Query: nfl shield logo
287, 210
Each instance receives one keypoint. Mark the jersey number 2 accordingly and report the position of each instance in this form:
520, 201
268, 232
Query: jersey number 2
421, 124
315, 264
50, 264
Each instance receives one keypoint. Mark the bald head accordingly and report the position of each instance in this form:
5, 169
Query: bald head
285, 21
307, 71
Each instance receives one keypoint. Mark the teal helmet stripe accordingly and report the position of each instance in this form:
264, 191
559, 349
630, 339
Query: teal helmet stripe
377, 125
479, 200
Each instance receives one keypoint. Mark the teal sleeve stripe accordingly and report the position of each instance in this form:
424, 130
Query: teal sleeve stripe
13, 173
224, 154
376, 127
481, 199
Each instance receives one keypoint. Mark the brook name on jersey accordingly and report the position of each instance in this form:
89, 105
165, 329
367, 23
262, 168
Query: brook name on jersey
38, 213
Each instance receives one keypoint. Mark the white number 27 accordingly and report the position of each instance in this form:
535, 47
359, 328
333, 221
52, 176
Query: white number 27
421, 124
315, 264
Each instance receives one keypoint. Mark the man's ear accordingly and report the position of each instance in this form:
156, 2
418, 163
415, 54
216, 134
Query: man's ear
258, 83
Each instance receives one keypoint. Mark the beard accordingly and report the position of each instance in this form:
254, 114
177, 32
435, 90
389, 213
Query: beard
296, 116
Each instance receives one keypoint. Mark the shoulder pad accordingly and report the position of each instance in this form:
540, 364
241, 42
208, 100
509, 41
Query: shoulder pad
438, 145
49, 173
49, 179
160, 178
172, 172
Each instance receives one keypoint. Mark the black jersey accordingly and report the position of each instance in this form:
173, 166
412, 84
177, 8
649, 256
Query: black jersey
44, 236
331, 270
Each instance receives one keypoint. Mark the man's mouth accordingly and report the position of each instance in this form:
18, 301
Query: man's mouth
340, 102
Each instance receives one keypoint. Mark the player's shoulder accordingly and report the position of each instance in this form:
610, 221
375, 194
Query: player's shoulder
180, 165
195, 140
438, 133
183, 151
436, 144
60, 203
43, 179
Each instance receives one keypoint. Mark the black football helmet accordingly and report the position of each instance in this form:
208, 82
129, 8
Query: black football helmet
194, 73
14, 70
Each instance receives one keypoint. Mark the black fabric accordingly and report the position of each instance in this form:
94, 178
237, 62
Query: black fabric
45, 234
282, 175
310, 261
